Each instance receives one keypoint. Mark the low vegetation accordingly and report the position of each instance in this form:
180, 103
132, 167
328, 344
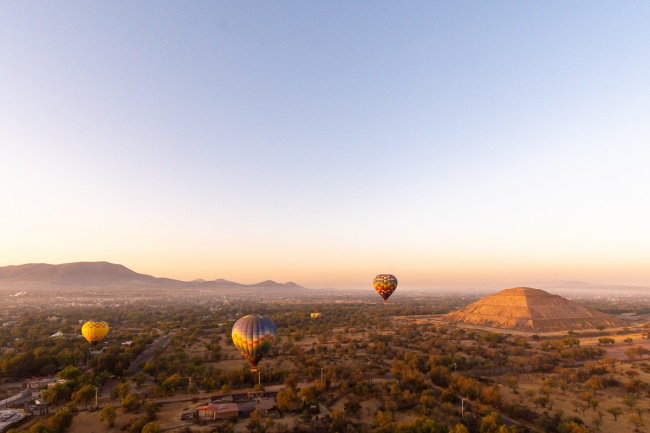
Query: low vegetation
366, 366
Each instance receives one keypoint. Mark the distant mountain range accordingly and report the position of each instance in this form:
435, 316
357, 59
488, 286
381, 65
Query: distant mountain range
104, 274
101, 275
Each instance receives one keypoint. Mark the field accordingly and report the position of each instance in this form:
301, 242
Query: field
383, 368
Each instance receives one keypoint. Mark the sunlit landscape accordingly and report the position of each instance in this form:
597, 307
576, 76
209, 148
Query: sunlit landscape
341, 361
329, 217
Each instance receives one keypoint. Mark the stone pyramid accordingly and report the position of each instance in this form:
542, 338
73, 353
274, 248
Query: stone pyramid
524, 308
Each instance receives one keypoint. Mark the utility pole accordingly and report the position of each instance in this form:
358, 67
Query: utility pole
321, 374
96, 398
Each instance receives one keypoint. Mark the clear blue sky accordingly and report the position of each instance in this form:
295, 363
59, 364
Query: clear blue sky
450, 143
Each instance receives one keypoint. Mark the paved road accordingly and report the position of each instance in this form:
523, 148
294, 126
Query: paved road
147, 355
189, 397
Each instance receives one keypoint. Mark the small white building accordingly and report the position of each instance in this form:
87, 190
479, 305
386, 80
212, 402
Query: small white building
37, 383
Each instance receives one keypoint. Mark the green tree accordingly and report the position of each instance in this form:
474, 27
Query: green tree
255, 424
308, 393
338, 420
629, 400
171, 385
427, 402
594, 403
352, 407
152, 409
637, 421
571, 341
291, 382
137, 425
59, 393
385, 422
420, 424
130, 403
39, 428
563, 385
615, 411
139, 378
70, 373
19, 366
123, 389
84, 395
288, 400
490, 395
490, 423
572, 427
61, 420
513, 383
586, 396
108, 414
151, 427
595, 383
542, 400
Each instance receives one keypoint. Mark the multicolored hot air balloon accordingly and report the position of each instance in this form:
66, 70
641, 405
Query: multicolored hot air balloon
385, 285
94, 331
254, 335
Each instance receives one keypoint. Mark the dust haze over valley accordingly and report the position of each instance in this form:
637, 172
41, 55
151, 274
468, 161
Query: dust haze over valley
107, 284
103, 283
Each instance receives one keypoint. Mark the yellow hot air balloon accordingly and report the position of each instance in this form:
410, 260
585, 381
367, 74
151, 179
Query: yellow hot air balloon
94, 331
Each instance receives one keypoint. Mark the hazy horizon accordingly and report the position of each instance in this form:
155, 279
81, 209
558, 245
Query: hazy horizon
452, 145
565, 286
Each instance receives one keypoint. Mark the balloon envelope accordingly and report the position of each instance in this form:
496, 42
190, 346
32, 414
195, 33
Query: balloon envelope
254, 335
94, 331
385, 285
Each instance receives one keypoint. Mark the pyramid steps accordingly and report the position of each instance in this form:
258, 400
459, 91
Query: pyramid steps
525, 308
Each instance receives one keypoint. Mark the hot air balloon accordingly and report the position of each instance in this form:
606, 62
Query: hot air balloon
254, 335
385, 285
94, 331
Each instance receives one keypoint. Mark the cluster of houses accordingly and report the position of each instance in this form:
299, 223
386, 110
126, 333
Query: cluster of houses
26, 403
234, 406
